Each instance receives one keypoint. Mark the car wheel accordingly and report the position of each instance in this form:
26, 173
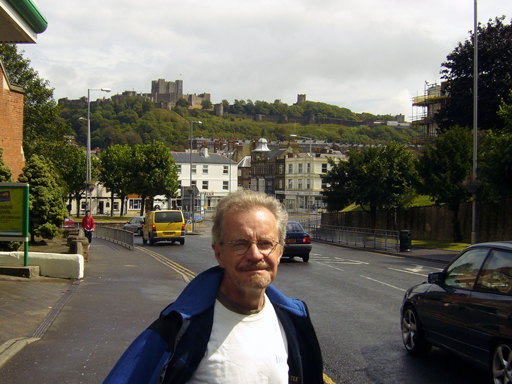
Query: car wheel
182, 241
502, 363
305, 258
412, 333
151, 242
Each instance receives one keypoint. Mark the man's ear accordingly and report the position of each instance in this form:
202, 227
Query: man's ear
217, 250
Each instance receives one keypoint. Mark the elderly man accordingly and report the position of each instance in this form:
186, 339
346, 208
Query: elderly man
229, 325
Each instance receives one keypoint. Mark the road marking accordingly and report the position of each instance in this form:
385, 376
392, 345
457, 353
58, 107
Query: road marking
381, 282
348, 261
412, 271
187, 274
328, 380
329, 266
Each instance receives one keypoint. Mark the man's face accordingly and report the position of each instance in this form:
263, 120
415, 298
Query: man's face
251, 270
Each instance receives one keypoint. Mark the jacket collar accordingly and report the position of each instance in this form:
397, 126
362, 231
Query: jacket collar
201, 292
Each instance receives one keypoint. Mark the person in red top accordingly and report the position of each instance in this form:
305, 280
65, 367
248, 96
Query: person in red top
88, 225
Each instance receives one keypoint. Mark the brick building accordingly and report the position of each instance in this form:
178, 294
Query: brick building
11, 124
20, 23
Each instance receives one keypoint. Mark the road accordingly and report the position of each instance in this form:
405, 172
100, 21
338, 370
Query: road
353, 297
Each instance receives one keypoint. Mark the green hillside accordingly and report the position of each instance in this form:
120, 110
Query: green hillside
136, 121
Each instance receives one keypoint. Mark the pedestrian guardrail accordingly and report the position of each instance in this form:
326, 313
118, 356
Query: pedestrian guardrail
355, 237
115, 235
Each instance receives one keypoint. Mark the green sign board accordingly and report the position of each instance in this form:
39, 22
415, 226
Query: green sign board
14, 212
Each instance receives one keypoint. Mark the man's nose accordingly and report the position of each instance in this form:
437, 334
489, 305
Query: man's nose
254, 252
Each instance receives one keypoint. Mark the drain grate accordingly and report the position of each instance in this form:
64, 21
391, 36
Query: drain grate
52, 315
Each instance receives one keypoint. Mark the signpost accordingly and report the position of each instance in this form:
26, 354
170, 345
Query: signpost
14, 214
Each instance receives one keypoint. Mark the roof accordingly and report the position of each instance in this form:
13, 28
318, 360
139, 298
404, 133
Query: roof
198, 158
20, 21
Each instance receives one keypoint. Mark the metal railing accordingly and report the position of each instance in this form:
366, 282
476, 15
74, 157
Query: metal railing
355, 237
115, 235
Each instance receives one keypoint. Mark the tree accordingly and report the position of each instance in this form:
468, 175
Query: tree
495, 167
72, 168
47, 210
117, 171
206, 104
443, 168
41, 126
378, 177
494, 80
181, 102
5, 171
156, 172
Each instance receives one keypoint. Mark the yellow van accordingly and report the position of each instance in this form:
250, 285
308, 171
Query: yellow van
164, 226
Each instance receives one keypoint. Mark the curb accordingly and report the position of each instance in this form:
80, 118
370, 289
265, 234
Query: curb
11, 347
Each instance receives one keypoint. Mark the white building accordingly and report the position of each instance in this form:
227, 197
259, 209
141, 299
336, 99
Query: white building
303, 189
213, 176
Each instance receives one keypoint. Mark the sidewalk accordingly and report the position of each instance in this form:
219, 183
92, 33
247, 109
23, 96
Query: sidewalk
122, 293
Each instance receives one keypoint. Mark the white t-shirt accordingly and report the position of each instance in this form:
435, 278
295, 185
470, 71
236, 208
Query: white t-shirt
244, 349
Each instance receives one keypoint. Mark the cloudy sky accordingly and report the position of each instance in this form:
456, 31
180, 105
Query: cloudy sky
365, 55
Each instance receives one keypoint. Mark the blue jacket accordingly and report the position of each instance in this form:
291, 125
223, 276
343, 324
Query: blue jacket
170, 350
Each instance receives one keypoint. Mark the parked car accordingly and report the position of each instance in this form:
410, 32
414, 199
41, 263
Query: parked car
168, 225
69, 223
466, 309
297, 241
136, 224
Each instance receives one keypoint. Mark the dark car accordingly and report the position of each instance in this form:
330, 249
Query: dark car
135, 225
466, 309
297, 241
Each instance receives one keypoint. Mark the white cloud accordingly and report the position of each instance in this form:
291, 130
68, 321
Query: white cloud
369, 55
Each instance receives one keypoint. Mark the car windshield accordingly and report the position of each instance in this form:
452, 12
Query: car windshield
294, 227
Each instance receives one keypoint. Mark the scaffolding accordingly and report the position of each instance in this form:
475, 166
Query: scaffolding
426, 106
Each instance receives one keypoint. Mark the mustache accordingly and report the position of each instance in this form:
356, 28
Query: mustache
254, 266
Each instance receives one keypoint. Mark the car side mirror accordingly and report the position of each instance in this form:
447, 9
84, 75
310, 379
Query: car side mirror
435, 278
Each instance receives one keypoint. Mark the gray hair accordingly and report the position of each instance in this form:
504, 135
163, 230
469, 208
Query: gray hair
244, 200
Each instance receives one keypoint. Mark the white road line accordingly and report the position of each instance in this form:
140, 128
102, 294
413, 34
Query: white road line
410, 272
329, 266
381, 282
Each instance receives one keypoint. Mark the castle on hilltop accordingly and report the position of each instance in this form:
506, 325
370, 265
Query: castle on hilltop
164, 94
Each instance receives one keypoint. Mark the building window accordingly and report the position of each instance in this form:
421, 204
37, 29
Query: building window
280, 183
225, 170
324, 168
290, 183
308, 184
299, 184
179, 168
290, 168
300, 168
194, 183
194, 169
116, 206
308, 167
205, 169
134, 204
225, 185
205, 184
281, 169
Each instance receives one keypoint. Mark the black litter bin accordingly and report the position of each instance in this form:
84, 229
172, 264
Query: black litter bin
405, 241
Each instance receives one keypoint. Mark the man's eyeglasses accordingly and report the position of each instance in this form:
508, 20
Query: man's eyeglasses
241, 246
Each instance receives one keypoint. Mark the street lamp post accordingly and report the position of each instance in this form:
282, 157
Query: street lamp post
88, 191
191, 208
310, 167
475, 123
